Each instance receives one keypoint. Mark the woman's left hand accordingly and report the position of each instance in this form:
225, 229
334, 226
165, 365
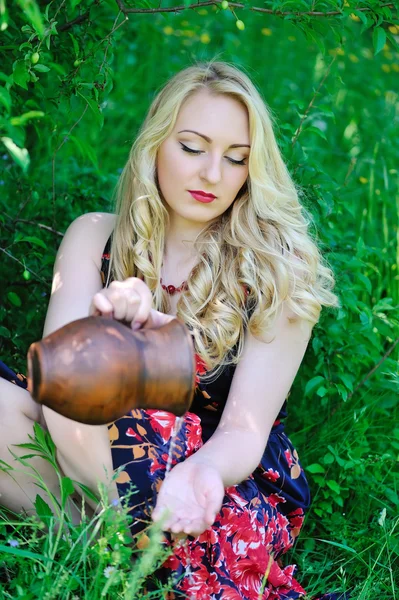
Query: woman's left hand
192, 495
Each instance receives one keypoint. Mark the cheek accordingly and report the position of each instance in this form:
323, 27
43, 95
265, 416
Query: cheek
171, 166
240, 180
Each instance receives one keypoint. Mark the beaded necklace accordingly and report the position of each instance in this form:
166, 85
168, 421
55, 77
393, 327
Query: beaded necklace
172, 290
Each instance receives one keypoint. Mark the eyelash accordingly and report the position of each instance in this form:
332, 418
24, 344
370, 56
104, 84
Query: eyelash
190, 151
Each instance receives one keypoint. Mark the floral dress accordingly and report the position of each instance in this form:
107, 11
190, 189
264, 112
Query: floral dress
240, 556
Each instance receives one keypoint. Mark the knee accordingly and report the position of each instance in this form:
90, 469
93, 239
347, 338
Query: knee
15, 400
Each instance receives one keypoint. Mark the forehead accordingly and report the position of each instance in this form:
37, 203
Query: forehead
217, 116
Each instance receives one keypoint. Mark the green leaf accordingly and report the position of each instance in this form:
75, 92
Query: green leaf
5, 98
41, 68
366, 282
75, 44
347, 379
94, 108
315, 130
20, 155
322, 391
22, 119
89, 493
315, 468
14, 299
32, 240
24, 553
4, 332
328, 459
43, 510
20, 74
33, 14
313, 384
391, 495
361, 16
343, 546
85, 149
334, 486
3, 16
379, 39
66, 487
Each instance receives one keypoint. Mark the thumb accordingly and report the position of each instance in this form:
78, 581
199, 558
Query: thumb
157, 319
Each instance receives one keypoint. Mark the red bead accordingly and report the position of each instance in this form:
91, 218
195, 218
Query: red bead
171, 289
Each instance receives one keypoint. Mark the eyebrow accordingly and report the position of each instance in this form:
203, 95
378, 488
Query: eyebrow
208, 139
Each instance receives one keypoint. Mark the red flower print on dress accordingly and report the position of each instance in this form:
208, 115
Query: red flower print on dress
296, 517
131, 433
200, 368
293, 463
162, 422
236, 497
194, 551
201, 584
248, 574
155, 465
244, 531
288, 456
275, 499
229, 593
193, 433
272, 475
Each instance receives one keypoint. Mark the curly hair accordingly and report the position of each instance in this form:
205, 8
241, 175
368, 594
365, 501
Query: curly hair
258, 254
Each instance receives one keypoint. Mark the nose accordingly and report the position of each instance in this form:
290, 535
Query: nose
211, 169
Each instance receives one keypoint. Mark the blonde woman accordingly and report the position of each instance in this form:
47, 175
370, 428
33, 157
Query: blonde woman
207, 228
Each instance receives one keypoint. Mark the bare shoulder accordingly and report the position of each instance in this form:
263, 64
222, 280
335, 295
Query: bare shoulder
92, 230
77, 269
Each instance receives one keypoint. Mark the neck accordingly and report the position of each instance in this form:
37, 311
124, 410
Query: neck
179, 248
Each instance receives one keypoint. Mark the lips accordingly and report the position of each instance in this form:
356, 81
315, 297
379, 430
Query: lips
202, 196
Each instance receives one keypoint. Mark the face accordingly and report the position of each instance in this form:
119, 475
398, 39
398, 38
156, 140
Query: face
208, 151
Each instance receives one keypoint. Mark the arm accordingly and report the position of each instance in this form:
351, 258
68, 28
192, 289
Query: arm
192, 493
76, 273
260, 385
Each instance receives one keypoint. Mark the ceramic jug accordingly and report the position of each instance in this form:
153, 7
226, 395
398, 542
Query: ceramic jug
96, 369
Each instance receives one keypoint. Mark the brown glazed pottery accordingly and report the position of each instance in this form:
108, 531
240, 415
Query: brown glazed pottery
96, 369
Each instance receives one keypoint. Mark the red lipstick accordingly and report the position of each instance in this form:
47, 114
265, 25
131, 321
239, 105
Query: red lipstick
202, 196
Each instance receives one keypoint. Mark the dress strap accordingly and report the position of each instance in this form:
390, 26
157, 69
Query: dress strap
105, 261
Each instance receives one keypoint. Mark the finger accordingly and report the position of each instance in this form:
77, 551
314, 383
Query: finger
101, 303
144, 307
180, 525
123, 300
210, 516
119, 303
133, 301
157, 319
195, 528
160, 513
211, 510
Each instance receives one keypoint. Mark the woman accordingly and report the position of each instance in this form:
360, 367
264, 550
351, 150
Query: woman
207, 228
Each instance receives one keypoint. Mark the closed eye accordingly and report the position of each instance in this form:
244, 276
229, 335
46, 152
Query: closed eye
191, 151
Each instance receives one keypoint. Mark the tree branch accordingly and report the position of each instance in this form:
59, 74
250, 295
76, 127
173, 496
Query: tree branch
333, 13
41, 225
24, 266
370, 373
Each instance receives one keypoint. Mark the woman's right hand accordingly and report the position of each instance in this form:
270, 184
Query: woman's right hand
129, 301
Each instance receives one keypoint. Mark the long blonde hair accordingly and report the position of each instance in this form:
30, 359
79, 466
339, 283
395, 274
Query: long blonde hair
261, 242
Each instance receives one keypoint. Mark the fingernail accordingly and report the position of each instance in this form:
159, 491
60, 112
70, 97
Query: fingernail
136, 326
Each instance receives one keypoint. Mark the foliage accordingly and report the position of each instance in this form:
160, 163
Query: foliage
76, 79
51, 558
